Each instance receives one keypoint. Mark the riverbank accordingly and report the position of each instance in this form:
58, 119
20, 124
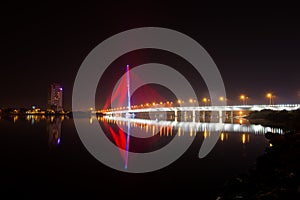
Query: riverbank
276, 173
287, 120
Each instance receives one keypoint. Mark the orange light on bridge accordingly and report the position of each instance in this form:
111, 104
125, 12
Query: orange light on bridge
270, 97
242, 97
205, 100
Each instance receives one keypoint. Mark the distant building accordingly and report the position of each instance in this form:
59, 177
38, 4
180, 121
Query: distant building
55, 97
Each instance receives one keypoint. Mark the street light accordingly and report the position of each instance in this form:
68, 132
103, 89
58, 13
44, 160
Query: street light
270, 97
223, 99
244, 99
192, 101
205, 100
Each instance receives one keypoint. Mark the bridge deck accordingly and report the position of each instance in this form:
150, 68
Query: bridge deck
277, 107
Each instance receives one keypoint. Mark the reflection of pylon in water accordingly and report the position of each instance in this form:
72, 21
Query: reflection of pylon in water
128, 114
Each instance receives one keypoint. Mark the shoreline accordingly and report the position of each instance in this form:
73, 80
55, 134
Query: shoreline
286, 120
276, 173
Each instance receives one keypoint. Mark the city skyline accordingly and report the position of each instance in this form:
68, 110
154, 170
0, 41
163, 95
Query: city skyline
254, 49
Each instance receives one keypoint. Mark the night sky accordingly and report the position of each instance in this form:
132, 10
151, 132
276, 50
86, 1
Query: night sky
256, 50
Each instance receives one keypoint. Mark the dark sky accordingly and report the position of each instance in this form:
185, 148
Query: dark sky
256, 50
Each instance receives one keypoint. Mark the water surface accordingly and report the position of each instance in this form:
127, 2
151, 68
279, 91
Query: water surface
45, 155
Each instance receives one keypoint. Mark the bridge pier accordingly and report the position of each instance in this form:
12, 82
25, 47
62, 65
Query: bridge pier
221, 116
175, 115
194, 115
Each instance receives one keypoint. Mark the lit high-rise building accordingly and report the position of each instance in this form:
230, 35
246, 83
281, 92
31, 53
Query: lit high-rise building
55, 97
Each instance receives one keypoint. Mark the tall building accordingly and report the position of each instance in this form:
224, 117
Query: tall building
55, 97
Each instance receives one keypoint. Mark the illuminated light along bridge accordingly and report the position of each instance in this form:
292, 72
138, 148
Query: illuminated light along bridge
194, 109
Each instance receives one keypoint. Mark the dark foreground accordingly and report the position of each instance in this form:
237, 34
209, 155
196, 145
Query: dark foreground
276, 174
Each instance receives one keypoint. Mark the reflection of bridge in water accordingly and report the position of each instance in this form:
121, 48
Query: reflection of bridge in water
190, 127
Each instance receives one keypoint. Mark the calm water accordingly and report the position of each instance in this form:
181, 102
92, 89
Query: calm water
45, 155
